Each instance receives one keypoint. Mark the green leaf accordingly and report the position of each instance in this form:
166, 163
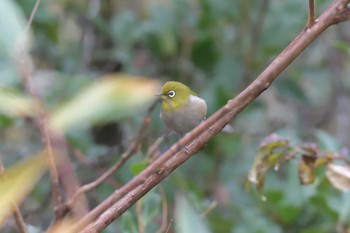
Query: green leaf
128, 223
15, 104
186, 219
138, 167
205, 53
109, 98
326, 141
13, 39
269, 154
150, 207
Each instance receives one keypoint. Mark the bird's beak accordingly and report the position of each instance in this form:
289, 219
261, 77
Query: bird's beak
160, 95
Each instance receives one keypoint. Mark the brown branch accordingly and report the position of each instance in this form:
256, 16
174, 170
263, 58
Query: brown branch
22, 228
141, 226
164, 211
311, 16
344, 15
43, 127
16, 211
118, 202
41, 115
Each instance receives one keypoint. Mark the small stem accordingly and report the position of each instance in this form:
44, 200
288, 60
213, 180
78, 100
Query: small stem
140, 224
311, 16
41, 114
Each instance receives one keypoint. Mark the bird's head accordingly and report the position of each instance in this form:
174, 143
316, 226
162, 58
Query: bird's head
174, 95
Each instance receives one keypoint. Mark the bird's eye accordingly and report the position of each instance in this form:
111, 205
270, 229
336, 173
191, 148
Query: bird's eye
171, 94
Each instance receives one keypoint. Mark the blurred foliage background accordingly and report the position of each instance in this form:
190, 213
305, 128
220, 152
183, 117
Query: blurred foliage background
215, 46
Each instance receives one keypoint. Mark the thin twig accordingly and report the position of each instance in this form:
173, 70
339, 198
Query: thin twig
311, 14
210, 208
164, 211
41, 115
168, 229
19, 219
31, 17
44, 130
16, 211
140, 224
154, 147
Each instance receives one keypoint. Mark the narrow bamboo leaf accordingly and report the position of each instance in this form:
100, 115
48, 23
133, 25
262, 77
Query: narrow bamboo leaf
15, 104
138, 167
186, 219
111, 97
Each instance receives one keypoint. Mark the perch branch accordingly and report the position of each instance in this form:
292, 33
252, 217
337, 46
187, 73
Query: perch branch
123, 198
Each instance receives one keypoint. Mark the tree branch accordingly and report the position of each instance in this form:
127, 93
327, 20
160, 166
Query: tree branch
122, 199
344, 15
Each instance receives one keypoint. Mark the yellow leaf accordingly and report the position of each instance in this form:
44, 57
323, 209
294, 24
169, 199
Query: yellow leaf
111, 97
307, 169
272, 149
18, 181
14, 104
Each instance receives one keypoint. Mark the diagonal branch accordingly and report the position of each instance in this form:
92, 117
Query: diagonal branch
344, 15
122, 199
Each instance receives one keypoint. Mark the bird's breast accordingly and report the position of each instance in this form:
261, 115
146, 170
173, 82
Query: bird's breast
186, 118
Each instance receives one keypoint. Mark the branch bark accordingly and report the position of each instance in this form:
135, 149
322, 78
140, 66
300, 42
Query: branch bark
122, 199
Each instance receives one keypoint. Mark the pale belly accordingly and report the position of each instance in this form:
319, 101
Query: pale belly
187, 118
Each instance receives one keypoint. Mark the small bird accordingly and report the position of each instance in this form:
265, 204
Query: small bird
182, 110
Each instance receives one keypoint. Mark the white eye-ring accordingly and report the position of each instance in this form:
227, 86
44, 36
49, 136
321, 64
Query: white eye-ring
171, 94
